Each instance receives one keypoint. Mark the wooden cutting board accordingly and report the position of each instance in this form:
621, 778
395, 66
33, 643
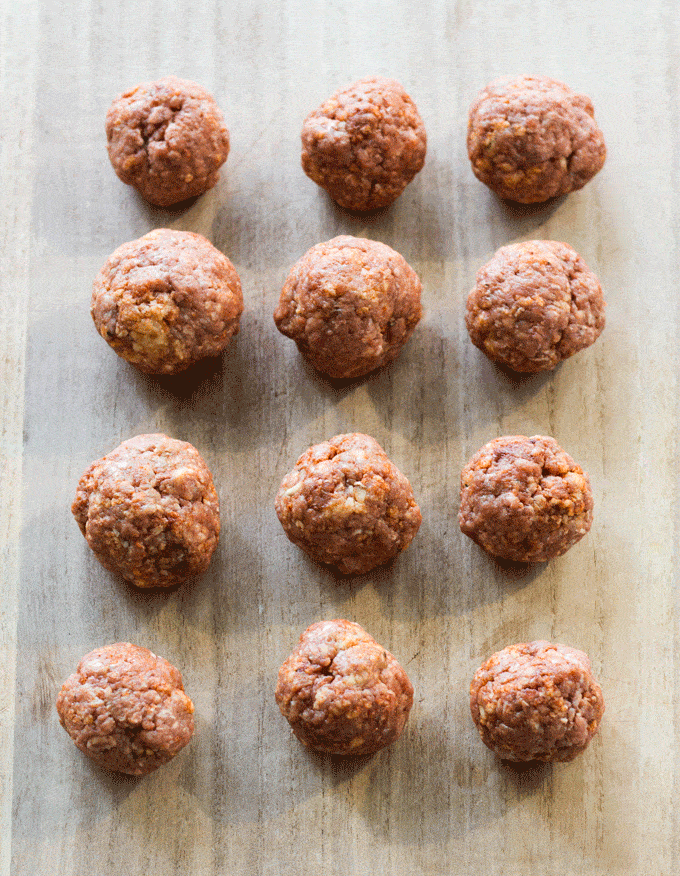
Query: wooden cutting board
245, 798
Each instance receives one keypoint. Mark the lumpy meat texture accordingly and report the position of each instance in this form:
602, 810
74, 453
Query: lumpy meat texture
536, 702
168, 139
126, 709
364, 144
347, 505
342, 692
525, 499
166, 300
534, 305
350, 305
149, 511
531, 138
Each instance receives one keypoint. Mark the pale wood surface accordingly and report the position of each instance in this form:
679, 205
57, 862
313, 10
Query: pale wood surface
244, 798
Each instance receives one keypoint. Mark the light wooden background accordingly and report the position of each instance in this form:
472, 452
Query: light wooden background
244, 798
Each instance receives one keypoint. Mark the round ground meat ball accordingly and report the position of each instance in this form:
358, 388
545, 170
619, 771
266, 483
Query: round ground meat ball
350, 305
126, 709
149, 511
524, 499
347, 505
167, 139
342, 692
167, 300
535, 304
536, 702
364, 144
531, 138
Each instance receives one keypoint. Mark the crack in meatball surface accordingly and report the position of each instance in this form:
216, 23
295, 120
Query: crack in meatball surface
342, 692
524, 499
364, 144
168, 139
350, 305
346, 505
125, 708
166, 300
535, 304
149, 511
536, 702
531, 138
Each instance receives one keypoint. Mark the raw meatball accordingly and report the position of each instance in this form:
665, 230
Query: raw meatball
342, 692
531, 138
149, 511
167, 300
167, 139
364, 144
347, 505
536, 701
524, 499
535, 304
350, 305
126, 709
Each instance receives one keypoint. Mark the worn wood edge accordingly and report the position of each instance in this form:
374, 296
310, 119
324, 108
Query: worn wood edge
17, 42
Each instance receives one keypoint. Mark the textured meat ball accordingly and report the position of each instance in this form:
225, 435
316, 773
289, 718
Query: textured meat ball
535, 304
347, 505
126, 709
531, 138
536, 701
524, 499
350, 305
149, 511
364, 144
167, 139
167, 300
342, 692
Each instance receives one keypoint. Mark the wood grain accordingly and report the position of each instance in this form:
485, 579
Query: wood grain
244, 797
16, 168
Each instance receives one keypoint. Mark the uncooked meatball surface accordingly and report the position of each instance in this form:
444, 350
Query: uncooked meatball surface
347, 505
531, 138
168, 139
126, 709
524, 499
350, 305
536, 702
166, 300
364, 144
534, 305
149, 511
342, 692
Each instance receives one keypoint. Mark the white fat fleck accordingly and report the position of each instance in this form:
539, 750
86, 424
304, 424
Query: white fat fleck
291, 491
321, 696
181, 472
